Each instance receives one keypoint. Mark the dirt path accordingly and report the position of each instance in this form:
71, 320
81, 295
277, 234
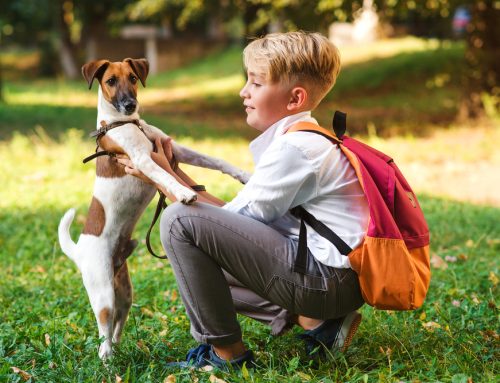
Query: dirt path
461, 164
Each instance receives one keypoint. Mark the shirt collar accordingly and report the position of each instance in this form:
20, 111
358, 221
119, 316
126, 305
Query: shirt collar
259, 145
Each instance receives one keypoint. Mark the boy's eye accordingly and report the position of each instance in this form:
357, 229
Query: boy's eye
111, 81
256, 83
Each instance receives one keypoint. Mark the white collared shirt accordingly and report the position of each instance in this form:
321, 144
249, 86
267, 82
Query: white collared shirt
303, 168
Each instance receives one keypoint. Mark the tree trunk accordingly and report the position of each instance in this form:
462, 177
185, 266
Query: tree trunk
249, 17
482, 60
67, 50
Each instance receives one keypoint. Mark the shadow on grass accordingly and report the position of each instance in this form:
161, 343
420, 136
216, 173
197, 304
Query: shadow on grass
406, 93
41, 293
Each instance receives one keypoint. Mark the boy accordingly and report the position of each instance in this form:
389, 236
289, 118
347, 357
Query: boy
240, 257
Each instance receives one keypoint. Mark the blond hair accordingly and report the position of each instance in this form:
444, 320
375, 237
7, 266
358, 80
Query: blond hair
296, 58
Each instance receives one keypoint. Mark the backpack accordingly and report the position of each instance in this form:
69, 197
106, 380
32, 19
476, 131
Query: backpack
392, 262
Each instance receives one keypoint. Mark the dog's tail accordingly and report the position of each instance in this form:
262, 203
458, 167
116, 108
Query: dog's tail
67, 245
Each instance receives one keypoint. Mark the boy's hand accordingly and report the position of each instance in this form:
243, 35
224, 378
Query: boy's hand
164, 152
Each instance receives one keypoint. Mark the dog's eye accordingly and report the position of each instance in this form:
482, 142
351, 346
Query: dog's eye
111, 81
133, 79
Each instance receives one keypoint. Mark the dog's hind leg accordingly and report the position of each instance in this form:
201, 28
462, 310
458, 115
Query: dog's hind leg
123, 287
96, 266
123, 301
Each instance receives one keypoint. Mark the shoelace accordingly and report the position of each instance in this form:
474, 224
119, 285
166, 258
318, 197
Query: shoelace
198, 354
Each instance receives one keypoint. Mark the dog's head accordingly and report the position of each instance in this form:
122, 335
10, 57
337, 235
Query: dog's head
118, 81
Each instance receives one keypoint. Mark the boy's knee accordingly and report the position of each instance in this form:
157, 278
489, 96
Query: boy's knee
170, 217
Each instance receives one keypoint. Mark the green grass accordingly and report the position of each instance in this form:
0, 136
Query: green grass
42, 293
47, 327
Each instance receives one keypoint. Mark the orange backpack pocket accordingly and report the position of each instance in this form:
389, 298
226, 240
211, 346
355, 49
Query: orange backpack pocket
391, 277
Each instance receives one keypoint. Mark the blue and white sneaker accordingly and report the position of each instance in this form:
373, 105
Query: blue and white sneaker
204, 355
332, 334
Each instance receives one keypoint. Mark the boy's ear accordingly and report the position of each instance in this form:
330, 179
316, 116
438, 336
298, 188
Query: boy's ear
298, 98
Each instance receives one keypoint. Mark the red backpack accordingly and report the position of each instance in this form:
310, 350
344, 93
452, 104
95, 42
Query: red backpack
392, 262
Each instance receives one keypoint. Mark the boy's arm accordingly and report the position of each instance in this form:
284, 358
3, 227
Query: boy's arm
283, 178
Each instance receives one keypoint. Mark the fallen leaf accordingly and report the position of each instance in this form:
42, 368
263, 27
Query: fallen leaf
118, 379
386, 352
47, 339
143, 347
52, 365
493, 278
469, 243
490, 334
450, 258
303, 377
173, 297
493, 242
475, 299
163, 333
214, 379
431, 326
455, 303
462, 257
23, 373
170, 379
39, 269
147, 312
80, 219
422, 316
244, 372
438, 263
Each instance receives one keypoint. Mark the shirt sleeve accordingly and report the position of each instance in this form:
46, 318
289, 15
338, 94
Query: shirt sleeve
283, 178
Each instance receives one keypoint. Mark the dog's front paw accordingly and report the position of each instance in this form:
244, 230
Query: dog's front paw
185, 195
243, 177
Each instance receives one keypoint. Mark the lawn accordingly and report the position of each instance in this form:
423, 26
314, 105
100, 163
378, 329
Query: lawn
407, 87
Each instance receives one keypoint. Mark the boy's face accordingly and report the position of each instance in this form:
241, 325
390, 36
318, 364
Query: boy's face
265, 102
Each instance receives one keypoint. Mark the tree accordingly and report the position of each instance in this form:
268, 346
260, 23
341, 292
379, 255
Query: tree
482, 57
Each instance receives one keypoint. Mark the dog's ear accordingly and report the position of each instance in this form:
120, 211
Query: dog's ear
140, 68
94, 69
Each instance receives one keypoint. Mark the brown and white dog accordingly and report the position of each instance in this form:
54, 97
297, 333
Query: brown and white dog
119, 199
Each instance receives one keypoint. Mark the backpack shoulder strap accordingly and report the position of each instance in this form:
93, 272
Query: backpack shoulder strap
313, 128
299, 212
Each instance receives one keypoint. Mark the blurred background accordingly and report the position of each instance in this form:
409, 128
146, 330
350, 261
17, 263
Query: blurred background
419, 81
410, 69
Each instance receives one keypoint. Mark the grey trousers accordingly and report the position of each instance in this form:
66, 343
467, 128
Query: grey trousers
226, 263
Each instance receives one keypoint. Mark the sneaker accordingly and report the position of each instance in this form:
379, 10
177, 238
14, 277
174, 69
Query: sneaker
332, 334
204, 355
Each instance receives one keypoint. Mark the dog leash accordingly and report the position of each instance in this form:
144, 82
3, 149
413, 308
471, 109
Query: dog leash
162, 204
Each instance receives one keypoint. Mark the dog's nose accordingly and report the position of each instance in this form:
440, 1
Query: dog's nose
130, 106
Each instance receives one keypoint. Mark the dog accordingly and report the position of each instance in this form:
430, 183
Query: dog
119, 199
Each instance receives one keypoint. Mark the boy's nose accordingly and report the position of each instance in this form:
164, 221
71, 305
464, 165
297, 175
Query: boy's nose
244, 92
